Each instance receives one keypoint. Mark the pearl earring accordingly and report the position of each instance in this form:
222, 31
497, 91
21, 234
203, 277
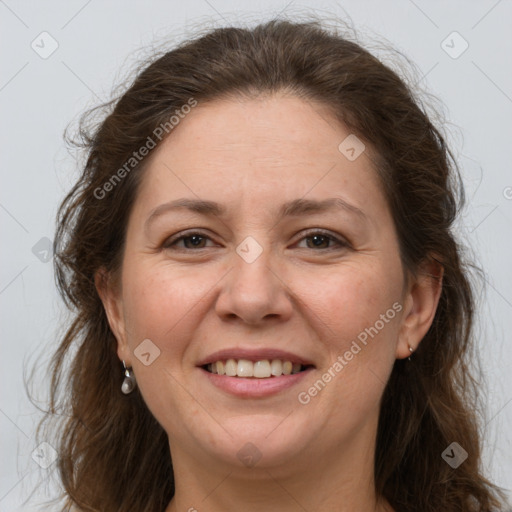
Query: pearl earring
410, 350
129, 383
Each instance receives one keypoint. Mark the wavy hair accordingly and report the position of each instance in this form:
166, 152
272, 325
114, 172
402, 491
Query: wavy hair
113, 455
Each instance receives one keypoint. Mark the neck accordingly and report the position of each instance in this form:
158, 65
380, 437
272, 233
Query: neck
320, 478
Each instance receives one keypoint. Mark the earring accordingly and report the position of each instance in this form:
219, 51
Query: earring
129, 383
410, 350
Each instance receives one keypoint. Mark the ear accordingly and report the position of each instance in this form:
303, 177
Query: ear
110, 295
420, 305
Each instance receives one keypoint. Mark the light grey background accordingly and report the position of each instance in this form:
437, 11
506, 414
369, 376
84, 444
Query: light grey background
97, 40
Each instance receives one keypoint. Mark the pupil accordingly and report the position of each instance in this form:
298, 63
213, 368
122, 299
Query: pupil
318, 240
195, 239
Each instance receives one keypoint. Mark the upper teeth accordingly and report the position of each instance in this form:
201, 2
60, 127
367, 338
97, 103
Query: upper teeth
259, 369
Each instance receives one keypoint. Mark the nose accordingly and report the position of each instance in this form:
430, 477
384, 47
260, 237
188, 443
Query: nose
255, 292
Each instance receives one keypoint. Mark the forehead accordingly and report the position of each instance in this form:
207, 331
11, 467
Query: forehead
273, 148
266, 128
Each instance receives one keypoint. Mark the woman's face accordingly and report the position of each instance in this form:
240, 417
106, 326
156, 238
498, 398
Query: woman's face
259, 276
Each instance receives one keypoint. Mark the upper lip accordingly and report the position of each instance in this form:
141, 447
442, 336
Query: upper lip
254, 355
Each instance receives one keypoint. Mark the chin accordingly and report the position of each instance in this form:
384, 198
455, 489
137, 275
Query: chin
256, 441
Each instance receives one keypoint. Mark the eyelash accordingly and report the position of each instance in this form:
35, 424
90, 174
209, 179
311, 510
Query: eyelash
170, 242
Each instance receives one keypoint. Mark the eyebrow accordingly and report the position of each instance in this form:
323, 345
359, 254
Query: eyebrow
292, 208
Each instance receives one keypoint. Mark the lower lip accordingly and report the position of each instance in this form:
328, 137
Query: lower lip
245, 387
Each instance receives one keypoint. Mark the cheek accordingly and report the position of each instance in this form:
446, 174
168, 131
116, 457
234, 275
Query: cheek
349, 300
164, 305
354, 316
161, 305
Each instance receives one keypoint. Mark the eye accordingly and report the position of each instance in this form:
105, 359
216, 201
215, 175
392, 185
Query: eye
195, 238
320, 239
323, 240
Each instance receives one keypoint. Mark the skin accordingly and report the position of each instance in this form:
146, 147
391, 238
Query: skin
252, 155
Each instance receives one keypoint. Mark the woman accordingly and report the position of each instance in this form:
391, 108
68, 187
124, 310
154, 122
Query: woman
271, 311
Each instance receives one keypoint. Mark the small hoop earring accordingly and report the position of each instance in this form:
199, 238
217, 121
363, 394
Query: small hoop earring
129, 382
410, 350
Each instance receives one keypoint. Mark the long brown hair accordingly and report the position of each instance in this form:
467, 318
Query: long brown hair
113, 455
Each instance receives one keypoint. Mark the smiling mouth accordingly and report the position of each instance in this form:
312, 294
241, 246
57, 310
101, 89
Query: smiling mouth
262, 369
